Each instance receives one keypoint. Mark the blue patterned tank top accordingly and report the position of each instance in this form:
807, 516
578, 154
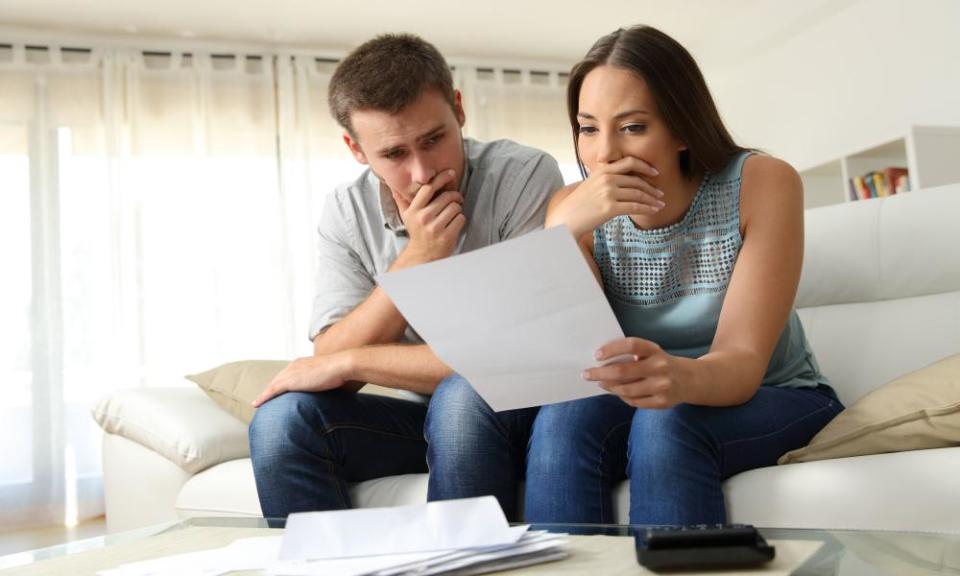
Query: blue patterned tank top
667, 285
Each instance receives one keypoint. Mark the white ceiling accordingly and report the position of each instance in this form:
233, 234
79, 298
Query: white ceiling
716, 32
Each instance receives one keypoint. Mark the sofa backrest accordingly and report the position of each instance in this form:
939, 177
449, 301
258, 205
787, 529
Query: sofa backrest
880, 290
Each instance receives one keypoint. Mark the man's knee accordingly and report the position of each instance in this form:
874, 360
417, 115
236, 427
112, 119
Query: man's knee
288, 421
458, 423
453, 407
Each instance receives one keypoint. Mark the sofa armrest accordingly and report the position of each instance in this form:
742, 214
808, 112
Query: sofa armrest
182, 424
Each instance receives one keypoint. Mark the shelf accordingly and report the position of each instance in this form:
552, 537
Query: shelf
930, 153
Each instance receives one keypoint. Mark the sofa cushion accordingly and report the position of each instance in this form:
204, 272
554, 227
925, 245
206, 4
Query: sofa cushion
916, 491
229, 489
916, 411
180, 424
233, 386
910, 491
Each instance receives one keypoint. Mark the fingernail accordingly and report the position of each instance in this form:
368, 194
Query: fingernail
585, 375
661, 203
598, 354
451, 172
655, 171
659, 192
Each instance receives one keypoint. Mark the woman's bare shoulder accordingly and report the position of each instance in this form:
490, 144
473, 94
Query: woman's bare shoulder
768, 184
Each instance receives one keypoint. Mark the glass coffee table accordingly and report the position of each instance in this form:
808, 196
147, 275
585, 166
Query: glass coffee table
839, 552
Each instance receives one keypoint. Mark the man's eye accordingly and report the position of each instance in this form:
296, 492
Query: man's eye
393, 155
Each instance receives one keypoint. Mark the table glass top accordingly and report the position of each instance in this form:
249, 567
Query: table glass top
843, 552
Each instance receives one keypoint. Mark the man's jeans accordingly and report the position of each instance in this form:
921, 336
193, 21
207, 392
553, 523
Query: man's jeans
574, 453
306, 447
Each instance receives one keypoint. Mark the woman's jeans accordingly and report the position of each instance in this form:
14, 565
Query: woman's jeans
574, 453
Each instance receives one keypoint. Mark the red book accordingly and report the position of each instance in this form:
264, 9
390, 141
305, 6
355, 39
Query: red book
891, 175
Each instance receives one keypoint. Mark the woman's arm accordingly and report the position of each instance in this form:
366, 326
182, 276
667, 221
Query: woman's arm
585, 241
763, 287
755, 309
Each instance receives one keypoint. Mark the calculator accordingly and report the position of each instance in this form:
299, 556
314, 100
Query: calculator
701, 546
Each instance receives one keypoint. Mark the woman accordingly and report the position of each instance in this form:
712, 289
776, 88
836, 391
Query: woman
698, 244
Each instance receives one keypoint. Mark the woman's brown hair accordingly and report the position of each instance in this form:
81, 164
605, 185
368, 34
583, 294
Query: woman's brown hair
681, 95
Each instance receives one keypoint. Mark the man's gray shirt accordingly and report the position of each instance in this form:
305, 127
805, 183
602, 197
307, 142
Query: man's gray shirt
506, 188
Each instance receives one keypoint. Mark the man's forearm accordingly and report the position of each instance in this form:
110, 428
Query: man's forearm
375, 321
411, 367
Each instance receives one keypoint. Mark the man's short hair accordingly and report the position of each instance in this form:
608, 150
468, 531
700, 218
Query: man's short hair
387, 73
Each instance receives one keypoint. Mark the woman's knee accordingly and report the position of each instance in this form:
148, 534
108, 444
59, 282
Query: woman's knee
581, 432
661, 435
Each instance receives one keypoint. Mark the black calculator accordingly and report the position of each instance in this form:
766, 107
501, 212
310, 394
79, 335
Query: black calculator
701, 546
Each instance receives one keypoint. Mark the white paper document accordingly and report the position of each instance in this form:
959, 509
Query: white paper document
244, 554
454, 536
443, 525
520, 320
532, 548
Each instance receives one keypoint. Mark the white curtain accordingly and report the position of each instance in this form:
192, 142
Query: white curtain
157, 219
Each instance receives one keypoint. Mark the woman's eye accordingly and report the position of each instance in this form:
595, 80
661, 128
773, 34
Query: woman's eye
635, 128
587, 129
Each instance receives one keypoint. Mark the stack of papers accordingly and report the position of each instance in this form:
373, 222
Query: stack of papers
469, 536
531, 548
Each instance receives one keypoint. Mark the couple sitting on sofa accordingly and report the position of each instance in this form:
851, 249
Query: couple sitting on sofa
696, 241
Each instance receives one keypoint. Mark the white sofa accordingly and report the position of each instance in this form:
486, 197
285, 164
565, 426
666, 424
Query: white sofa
879, 297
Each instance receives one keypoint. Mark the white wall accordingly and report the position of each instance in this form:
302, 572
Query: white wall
852, 80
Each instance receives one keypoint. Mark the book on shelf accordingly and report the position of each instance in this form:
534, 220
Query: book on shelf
879, 183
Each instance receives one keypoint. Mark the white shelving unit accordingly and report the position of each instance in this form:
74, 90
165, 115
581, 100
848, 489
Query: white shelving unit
930, 153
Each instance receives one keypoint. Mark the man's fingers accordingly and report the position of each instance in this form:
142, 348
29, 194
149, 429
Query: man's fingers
447, 215
268, 393
428, 190
439, 204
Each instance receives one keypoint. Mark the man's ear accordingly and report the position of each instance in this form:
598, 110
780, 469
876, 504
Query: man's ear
458, 107
355, 149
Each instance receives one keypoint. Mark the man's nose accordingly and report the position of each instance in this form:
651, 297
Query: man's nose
422, 170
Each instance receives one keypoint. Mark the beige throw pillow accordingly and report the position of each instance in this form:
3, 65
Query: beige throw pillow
235, 385
916, 411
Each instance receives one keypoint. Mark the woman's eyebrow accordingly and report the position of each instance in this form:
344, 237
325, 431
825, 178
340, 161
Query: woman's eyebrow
618, 116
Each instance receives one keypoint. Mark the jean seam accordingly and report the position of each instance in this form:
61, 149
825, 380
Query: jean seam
779, 430
338, 482
603, 451
351, 426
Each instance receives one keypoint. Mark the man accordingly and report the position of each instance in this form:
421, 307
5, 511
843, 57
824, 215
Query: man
428, 193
